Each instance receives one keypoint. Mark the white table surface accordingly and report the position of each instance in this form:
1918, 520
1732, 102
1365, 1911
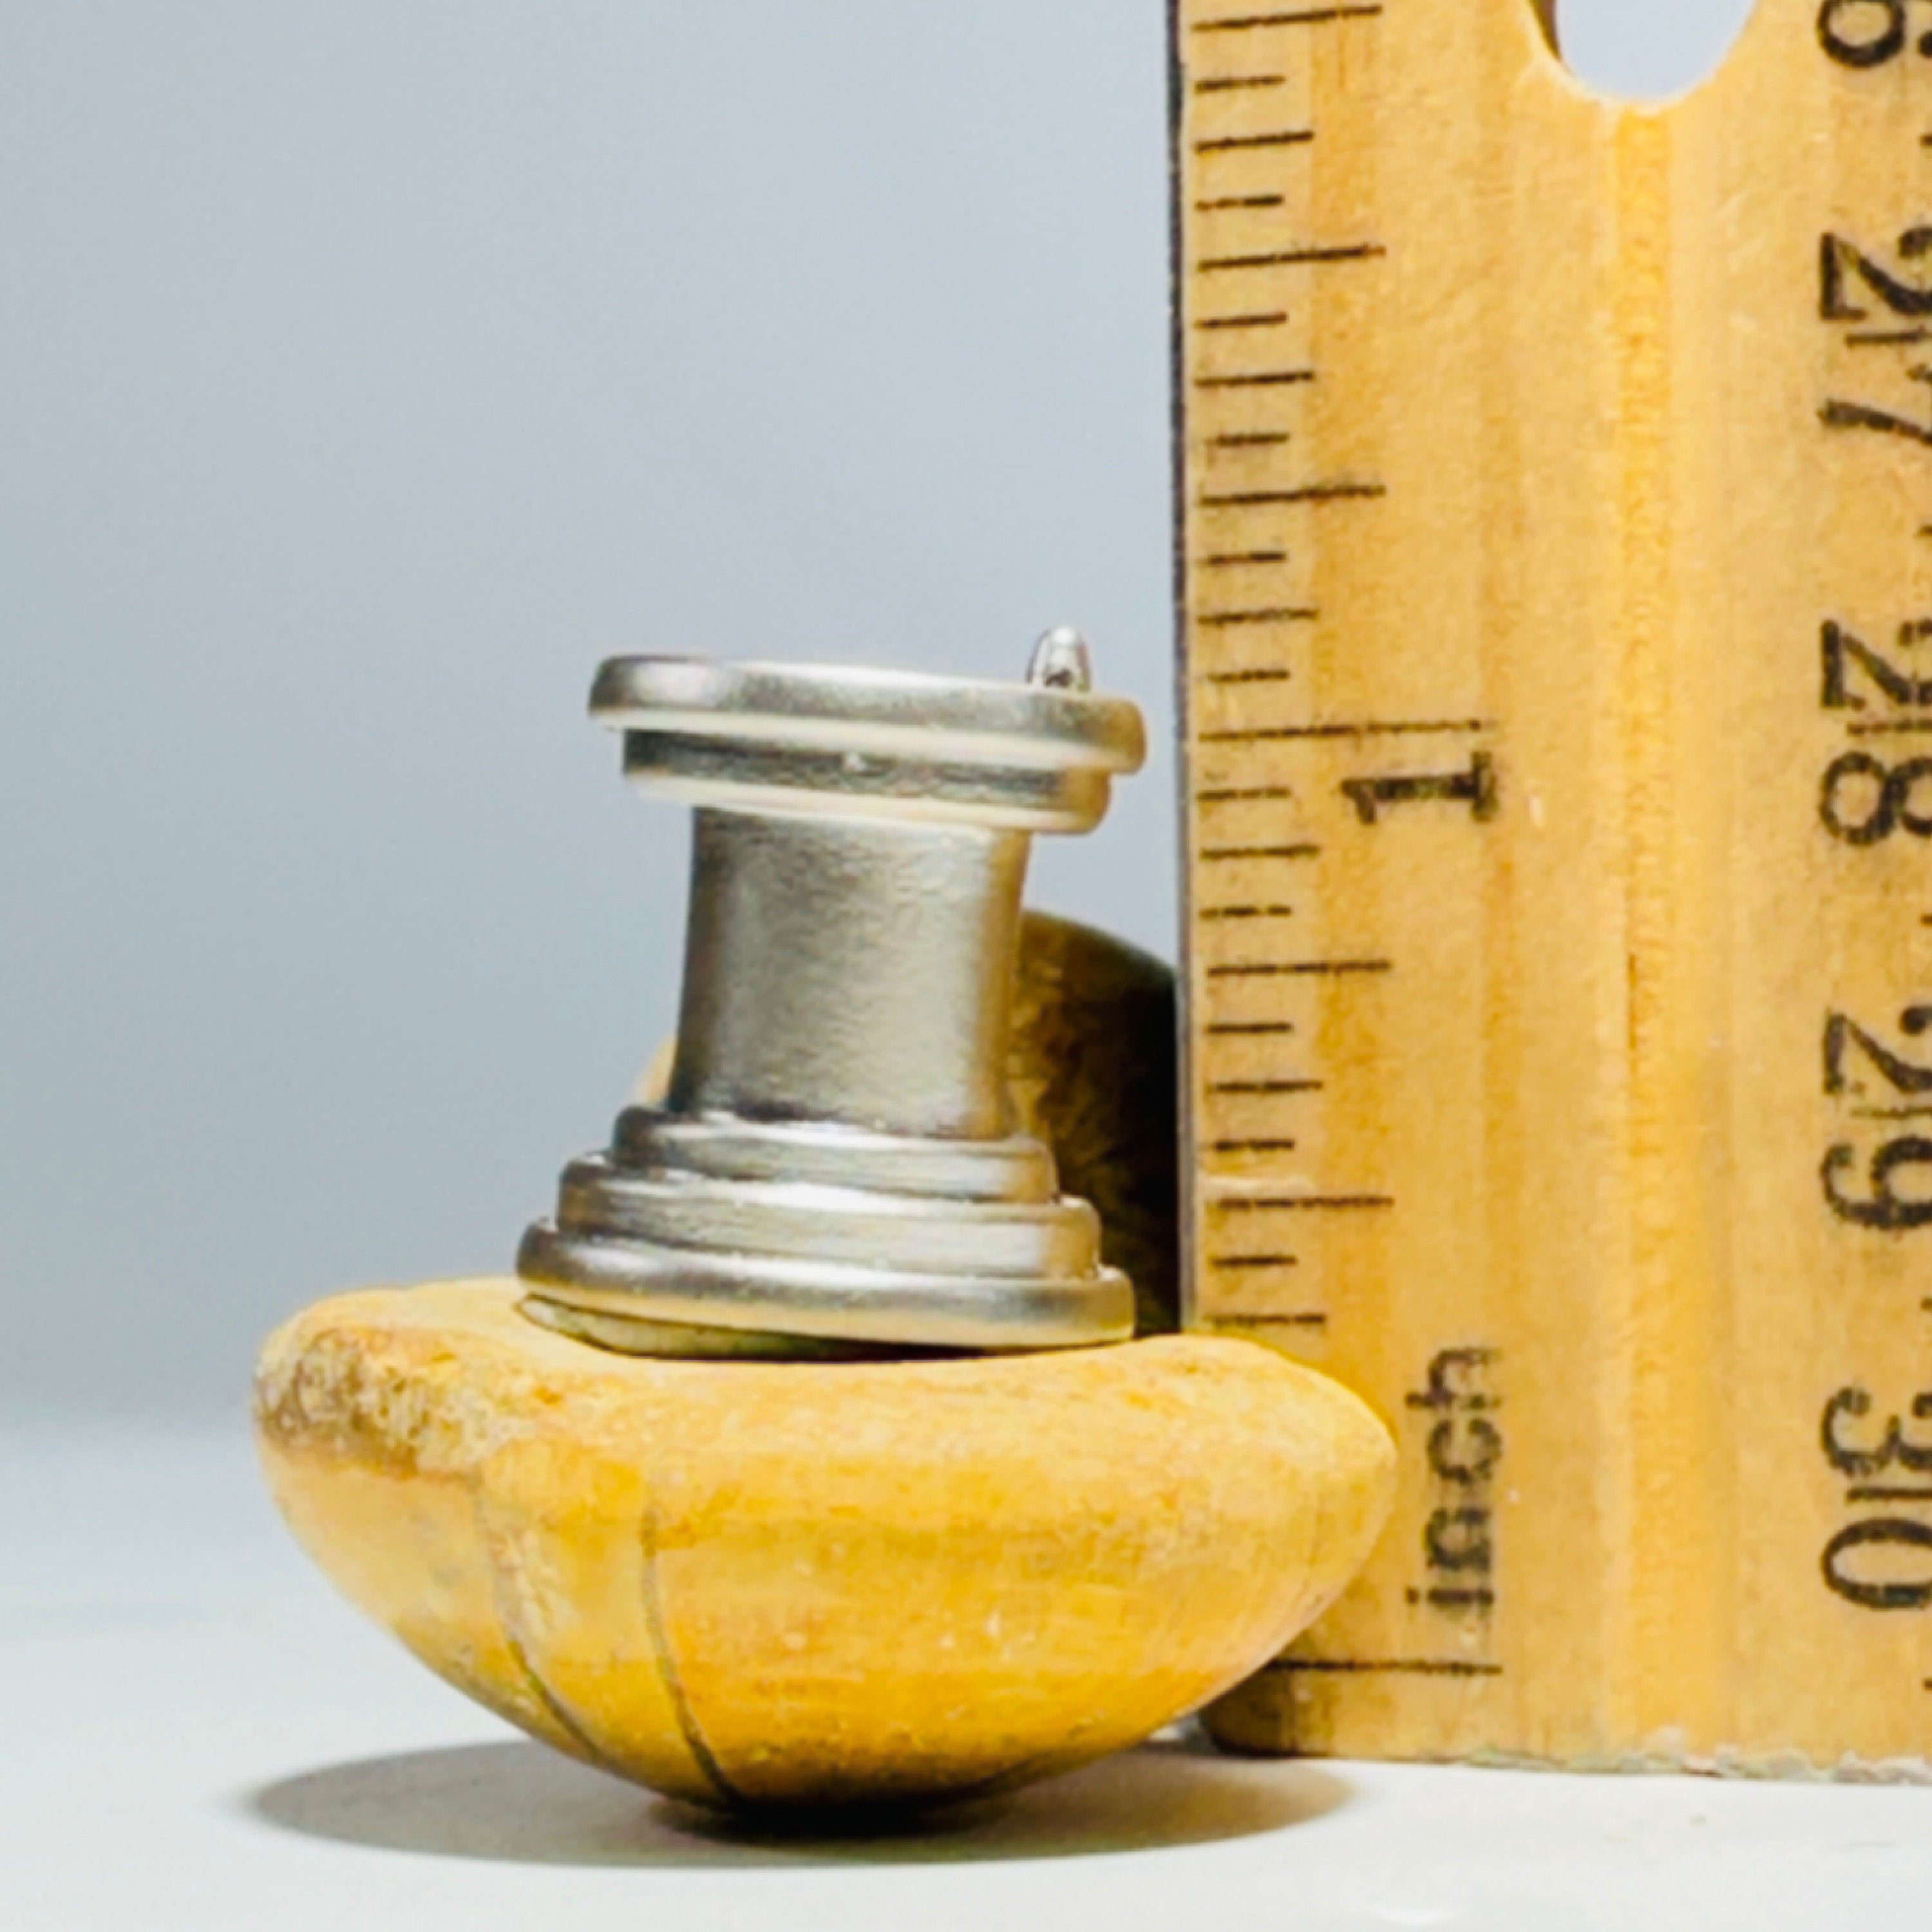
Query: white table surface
194, 1733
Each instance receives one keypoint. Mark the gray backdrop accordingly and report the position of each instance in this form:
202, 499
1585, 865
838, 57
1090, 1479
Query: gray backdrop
368, 371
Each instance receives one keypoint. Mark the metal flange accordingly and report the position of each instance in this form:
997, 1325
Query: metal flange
835, 1169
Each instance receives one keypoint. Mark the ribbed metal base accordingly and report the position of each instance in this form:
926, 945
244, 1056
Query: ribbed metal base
728, 1238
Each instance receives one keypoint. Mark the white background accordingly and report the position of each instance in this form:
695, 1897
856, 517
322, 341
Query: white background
367, 371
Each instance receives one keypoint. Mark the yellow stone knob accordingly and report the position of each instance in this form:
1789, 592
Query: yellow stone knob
813, 1585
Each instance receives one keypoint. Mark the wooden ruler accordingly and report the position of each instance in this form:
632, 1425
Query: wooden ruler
1557, 484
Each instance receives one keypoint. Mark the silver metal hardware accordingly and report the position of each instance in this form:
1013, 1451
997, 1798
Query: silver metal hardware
834, 1171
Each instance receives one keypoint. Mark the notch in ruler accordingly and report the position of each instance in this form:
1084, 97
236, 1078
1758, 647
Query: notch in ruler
1556, 483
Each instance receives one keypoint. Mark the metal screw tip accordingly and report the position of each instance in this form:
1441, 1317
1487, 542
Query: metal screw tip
1062, 661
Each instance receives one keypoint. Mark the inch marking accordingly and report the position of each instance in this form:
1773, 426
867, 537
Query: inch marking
1301, 969
1304, 17
1884, 1495
1254, 1147
1279, 137
1248, 912
1278, 613
1252, 440
1908, 728
1224, 83
1252, 1030
1268, 319
1253, 1264
1290, 258
1250, 677
1275, 733
1240, 201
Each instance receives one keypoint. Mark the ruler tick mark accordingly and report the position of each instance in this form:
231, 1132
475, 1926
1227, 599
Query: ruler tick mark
1268, 319
1291, 258
1252, 1030
1254, 379
1252, 676
1253, 1318
1303, 16
1310, 493
1276, 733
1224, 855
1245, 794
1224, 83
1225, 201
1836, 415
1279, 137
1252, 440
1252, 1264
1306, 1204
1278, 613
1301, 969
1247, 912
1886, 1493
1260, 1087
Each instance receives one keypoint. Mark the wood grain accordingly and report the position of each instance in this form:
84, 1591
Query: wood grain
1556, 477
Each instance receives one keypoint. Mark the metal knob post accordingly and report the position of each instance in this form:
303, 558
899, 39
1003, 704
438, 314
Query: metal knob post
835, 1170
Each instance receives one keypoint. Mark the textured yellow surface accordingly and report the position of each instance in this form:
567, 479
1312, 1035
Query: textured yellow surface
808, 1585
1091, 1063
